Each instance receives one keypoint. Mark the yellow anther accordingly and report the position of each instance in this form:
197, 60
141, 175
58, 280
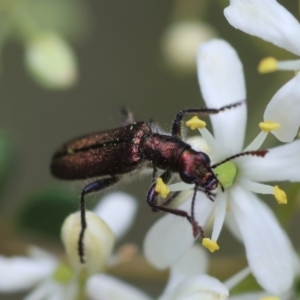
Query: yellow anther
212, 246
161, 188
280, 195
195, 123
269, 298
268, 126
268, 65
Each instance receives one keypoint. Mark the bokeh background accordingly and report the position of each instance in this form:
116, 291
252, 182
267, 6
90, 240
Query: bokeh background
123, 56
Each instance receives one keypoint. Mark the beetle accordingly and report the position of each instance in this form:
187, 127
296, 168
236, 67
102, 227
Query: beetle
109, 156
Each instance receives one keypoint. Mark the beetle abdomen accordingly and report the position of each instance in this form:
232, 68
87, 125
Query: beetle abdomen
106, 153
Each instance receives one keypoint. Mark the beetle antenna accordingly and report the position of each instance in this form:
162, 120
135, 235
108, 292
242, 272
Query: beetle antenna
260, 153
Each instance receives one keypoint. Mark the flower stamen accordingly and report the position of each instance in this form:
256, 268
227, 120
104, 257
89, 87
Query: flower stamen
195, 123
257, 142
161, 188
260, 188
280, 195
268, 126
268, 65
237, 278
212, 246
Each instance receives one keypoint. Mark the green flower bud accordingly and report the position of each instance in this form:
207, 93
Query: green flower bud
51, 61
98, 242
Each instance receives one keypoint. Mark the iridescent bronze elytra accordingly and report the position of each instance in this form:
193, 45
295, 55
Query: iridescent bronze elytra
109, 156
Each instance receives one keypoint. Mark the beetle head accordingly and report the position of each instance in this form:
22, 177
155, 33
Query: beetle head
195, 167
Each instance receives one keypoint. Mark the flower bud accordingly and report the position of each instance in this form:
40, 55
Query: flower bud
98, 242
180, 43
51, 61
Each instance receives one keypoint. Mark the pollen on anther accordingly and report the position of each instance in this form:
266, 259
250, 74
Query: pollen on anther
280, 195
161, 188
268, 126
212, 246
268, 65
195, 123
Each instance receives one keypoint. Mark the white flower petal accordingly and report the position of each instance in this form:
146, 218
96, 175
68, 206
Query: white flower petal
284, 108
98, 242
170, 237
194, 262
201, 287
221, 79
105, 287
20, 273
42, 291
37, 252
58, 291
220, 212
250, 296
268, 249
167, 240
233, 227
280, 164
118, 210
70, 290
180, 186
237, 278
265, 19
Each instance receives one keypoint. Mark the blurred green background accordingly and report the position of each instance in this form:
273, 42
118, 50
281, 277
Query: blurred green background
118, 48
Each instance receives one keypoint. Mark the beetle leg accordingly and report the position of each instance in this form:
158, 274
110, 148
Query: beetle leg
154, 174
152, 201
177, 126
95, 186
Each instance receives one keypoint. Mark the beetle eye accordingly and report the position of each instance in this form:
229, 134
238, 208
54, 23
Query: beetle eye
205, 158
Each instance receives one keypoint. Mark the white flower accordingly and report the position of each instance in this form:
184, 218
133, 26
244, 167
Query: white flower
272, 22
51, 279
188, 280
41, 272
222, 82
116, 212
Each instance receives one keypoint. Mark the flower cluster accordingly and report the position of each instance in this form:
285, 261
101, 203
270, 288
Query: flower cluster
273, 23
221, 80
51, 278
241, 173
